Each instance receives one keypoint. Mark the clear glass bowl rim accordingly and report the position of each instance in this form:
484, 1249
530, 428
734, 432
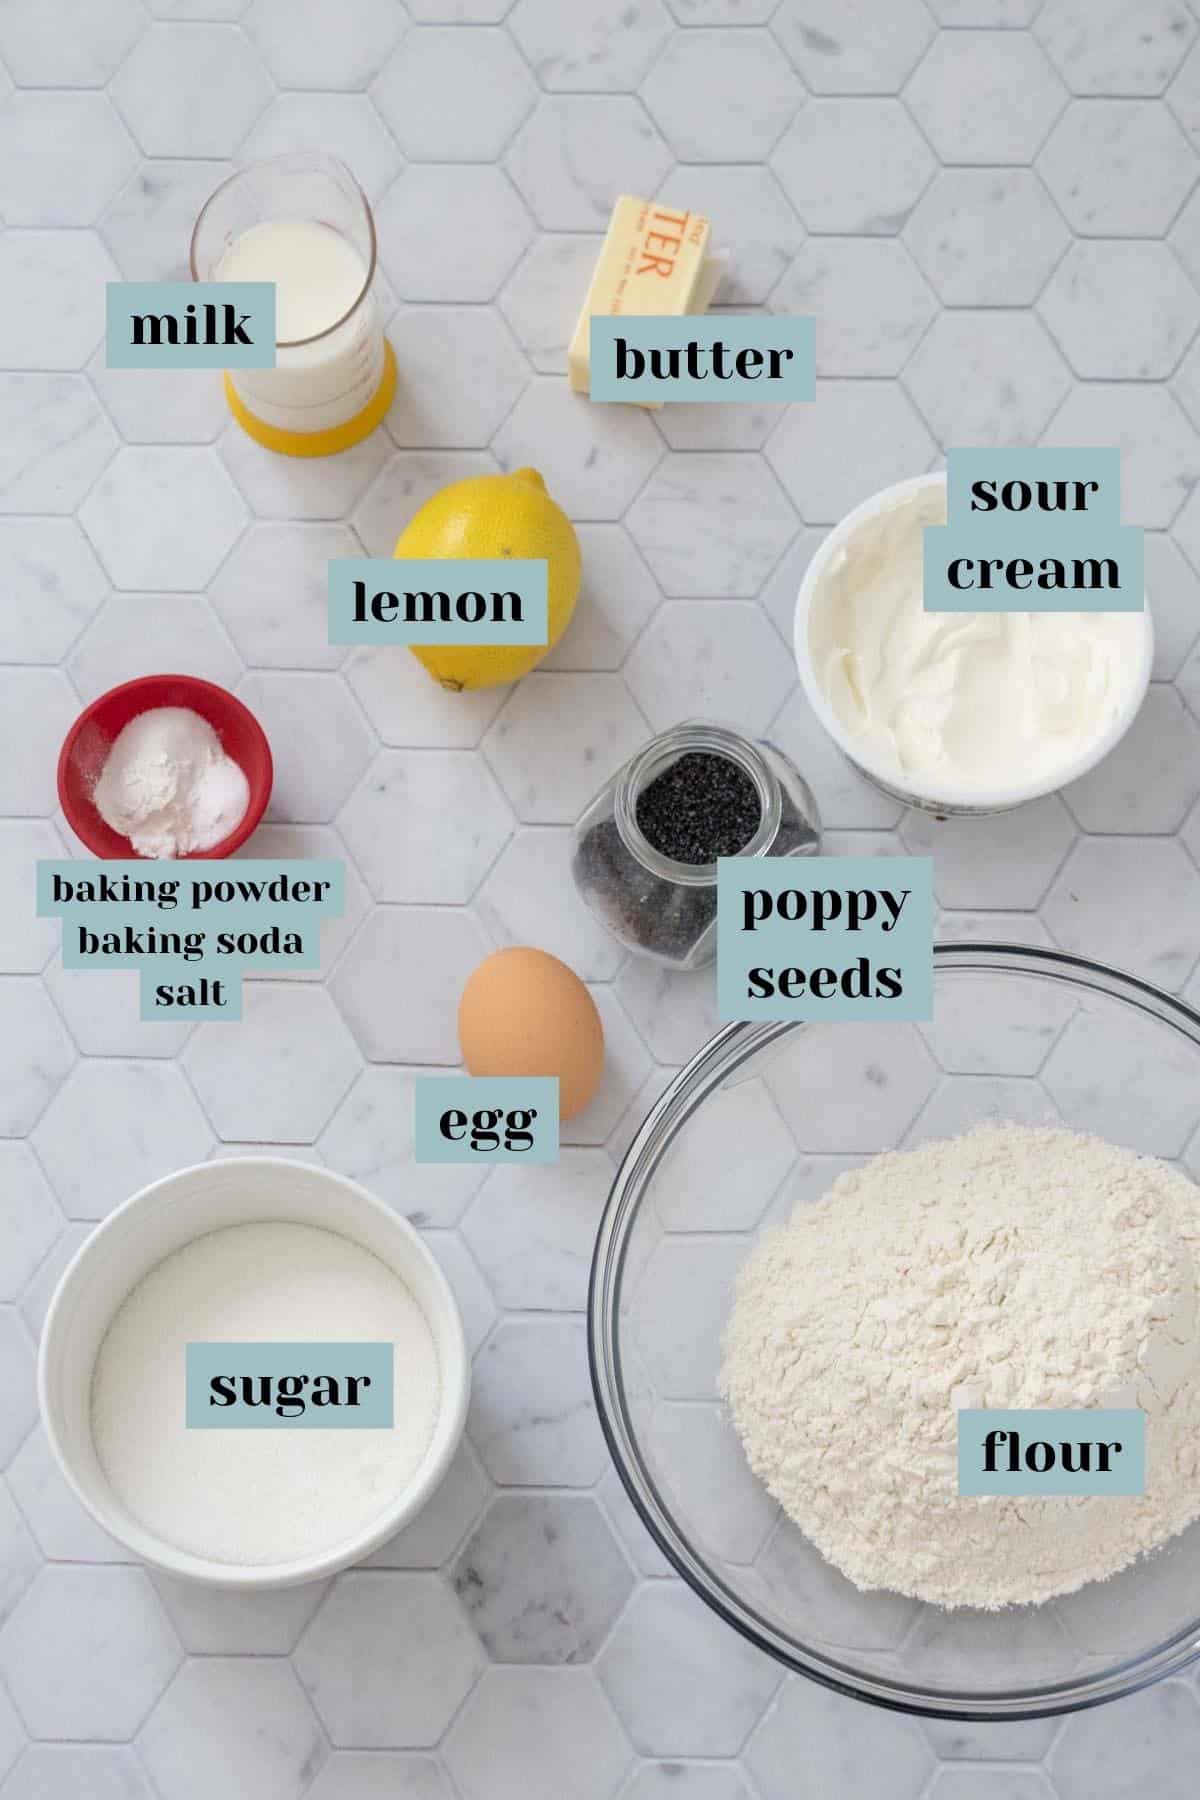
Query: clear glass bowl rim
725, 1053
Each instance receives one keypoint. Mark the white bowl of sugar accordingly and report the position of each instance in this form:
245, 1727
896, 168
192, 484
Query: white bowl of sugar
253, 1251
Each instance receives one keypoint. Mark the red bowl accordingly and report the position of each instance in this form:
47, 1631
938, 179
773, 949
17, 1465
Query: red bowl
91, 736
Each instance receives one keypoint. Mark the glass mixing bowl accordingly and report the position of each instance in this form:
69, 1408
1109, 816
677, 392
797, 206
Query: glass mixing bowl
768, 1115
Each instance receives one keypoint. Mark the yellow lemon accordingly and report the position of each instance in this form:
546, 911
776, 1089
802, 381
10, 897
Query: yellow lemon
496, 516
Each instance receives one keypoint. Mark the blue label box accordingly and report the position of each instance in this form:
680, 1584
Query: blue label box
438, 600
825, 937
1047, 1450
191, 927
485, 1119
289, 1387
190, 325
1022, 521
738, 356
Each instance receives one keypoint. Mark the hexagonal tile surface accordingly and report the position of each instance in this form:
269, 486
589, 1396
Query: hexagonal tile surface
224, 1622
18, 1406
1160, 455
19, 1562
577, 151
163, 518
307, 46
986, 237
191, 90
854, 166
370, 1138
276, 1074
1127, 901
32, 1220
599, 44
986, 378
85, 1141
1141, 1739
974, 863
843, 1745
56, 440
800, 1582
86, 55
707, 1478
531, 1230
691, 678
679, 1678
54, 583
459, 395
617, 596
574, 1579
531, 1416
530, 898
1118, 166
56, 1771
270, 562
35, 1054
52, 276
75, 154
711, 523
290, 487
395, 825
423, 261
721, 96
1122, 1085
679, 1309
985, 98
868, 297
87, 1652
443, 108
399, 982
437, 1532
26, 942
1146, 784
894, 1067
318, 739
379, 1775
854, 438
1103, 49
388, 1660
852, 49
600, 456
759, 228
142, 634
558, 739
243, 1724
549, 1730
1144, 286
538, 296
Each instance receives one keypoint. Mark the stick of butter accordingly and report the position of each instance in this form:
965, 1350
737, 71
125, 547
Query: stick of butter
654, 259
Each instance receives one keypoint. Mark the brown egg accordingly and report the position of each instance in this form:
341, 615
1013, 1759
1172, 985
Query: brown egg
525, 1013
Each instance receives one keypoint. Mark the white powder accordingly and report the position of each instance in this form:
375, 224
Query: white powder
258, 1496
168, 786
1012, 1267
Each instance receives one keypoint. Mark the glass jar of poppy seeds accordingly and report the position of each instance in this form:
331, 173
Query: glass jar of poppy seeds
646, 849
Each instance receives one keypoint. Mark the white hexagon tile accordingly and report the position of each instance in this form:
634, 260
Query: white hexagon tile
992, 207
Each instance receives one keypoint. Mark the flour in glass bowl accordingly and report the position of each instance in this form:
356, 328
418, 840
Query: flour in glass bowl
255, 1497
1011, 1267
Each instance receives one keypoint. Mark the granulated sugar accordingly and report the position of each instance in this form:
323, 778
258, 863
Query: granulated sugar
258, 1496
1012, 1267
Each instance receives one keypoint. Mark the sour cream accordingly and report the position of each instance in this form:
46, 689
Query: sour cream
962, 703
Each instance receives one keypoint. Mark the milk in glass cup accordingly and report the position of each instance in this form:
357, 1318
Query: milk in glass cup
302, 221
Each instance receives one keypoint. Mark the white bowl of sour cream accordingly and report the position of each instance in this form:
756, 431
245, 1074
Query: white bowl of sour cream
956, 712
